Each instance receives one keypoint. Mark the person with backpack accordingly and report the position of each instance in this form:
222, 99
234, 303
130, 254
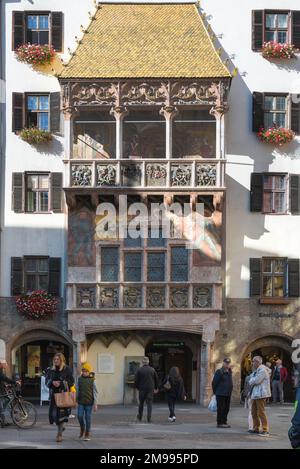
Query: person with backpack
87, 395
174, 388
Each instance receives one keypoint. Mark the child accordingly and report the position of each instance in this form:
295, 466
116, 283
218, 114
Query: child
87, 395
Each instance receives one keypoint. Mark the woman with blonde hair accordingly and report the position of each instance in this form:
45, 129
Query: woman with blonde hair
59, 378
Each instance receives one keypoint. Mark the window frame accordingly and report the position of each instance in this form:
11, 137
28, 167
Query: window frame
274, 275
38, 13
25, 272
27, 111
28, 174
132, 252
287, 110
110, 246
274, 191
176, 246
277, 29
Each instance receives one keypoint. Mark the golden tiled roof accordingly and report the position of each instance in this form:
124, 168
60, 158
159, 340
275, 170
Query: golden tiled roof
146, 40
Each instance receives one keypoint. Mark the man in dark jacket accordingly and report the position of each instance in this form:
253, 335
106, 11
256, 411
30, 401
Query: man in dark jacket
294, 431
3, 400
222, 388
146, 381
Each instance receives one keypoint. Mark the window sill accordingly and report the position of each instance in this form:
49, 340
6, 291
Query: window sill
274, 301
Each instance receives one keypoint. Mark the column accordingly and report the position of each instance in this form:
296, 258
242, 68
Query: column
69, 115
205, 373
119, 114
219, 113
169, 112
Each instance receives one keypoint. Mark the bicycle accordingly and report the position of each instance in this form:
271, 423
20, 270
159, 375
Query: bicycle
23, 413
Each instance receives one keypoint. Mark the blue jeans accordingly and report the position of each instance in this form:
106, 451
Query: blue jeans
84, 414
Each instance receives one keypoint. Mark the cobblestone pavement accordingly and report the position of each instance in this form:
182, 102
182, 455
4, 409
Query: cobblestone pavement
116, 427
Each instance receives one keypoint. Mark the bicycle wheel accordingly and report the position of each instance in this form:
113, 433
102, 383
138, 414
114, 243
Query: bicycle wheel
23, 414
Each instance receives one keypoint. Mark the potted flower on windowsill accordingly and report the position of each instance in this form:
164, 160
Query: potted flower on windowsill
35, 54
277, 50
35, 136
38, 305
276, 135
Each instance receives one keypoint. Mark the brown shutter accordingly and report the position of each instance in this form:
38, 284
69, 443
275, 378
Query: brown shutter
16, 276
57, 31
55, 112
295, 117
257, 111
255, 277
258, 19
293, 277
295, 194
18, 192
256, 192
54, 276
18, 29
296, 28
18, 112
56, 192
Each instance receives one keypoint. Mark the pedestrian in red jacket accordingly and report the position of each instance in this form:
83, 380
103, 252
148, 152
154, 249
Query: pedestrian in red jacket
279, 377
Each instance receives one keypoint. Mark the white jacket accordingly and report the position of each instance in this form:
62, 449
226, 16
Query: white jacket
260, 383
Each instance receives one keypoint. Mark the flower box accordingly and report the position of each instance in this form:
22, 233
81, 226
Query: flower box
35, 54
35, 136
38, 305
276, 50
276, 135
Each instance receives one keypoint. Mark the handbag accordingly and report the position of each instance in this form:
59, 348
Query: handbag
212, 406
167, 385
65, 399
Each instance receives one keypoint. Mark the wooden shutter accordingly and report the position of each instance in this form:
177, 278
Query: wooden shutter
57, 31
256, 192
56, 192
18, 112
295, 194
257, 111
54, 276
55, 112
258, 19
255, 277
295, 115
18, 192
293, 277
18, 29
296, 28
16, 276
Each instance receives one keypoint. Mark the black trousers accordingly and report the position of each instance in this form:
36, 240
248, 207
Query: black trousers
145, 396
223, 406
171, 404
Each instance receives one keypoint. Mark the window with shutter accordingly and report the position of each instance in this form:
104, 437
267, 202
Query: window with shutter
275, 193
255, 277
37, 111
256, 193
57, 30
56, 192
156, 267
274, 277
257, 29
295, 194
36, 274
110, 264
296, 28
293, 278
18, 192
55, 112
18, 35
295, 114
257, 111
179, 264
54, 276
16, 276
18, 112
133, 267
38, 29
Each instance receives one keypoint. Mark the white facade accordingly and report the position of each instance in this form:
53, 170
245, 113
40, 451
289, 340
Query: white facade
253, 235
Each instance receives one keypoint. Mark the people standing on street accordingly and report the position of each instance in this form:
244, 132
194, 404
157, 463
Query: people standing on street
59, 378
279, 377
146, 381
3, 400
174, 388
222, 388
248, 401
260, 391
87, 399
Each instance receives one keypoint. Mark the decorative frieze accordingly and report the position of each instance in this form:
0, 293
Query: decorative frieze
132, 297
81, 175
179, 297
206, 175
109, 297
181, 175
202, 297
132, 175
94, 94
106, 175
156, 297
144, 93
86, 297
156, 174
